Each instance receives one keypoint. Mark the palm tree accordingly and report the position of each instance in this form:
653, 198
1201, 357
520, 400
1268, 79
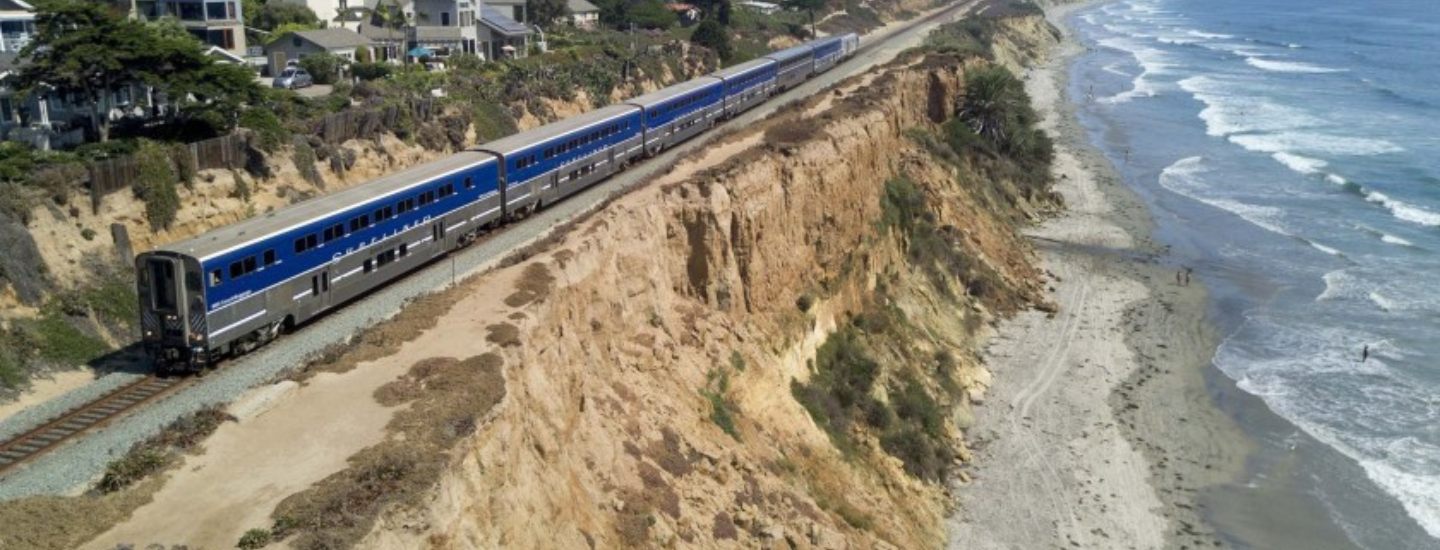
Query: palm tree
990, 102
392, 16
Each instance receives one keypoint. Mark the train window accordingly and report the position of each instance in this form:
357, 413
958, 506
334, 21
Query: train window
404, 249
299, 245
236, 270
250, 265
270, 257
369, 266
215, 278
469, 182
385, 258
549, 153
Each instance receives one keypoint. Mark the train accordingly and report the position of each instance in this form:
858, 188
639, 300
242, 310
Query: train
238, 287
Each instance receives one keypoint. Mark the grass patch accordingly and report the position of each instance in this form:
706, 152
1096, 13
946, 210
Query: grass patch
158, 452
722, 409
503, 334
449, 398
534, 285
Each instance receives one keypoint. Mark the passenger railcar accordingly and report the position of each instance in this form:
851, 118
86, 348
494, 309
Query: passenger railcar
548, 163
237, 287
747, 85
677, 113
794, 65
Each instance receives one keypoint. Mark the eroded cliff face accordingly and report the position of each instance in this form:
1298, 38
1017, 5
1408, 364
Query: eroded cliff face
651, 396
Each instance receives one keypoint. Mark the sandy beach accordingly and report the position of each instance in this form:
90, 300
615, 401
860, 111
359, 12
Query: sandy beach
1099, 431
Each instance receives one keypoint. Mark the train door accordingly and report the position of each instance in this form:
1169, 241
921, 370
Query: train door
320, 289
437, 234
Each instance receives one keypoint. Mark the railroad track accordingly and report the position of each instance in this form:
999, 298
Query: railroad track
82, 419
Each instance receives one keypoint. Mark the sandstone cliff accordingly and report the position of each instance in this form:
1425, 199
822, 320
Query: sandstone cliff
660, 389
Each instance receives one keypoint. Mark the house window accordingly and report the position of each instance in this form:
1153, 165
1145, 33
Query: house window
444, 18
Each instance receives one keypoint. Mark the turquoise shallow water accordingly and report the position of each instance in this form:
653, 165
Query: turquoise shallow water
1287, 150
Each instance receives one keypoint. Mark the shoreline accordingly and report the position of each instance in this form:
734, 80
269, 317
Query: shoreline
1093, 440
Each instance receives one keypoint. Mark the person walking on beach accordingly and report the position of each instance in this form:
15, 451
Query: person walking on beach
1365, 353
1188, 271
1180, 278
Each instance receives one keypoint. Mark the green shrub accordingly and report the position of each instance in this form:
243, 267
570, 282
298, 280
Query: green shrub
711, 34
61, 342
324, 67
254, 539
370, 71
269, 130
185, 165
304, 159
87, 234
130, 468
155, 184
57, 181
242, 189
839, 394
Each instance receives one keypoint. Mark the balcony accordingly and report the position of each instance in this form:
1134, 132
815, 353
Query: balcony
14, 42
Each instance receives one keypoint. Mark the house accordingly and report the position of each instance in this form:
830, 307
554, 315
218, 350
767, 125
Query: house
48, 120
763, 7
335, 13
502, 37
515, 10
688, 13
215, 22
17, 25
583, 15
444, 27
299, 44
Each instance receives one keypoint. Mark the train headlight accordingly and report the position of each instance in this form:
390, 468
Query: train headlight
149, 333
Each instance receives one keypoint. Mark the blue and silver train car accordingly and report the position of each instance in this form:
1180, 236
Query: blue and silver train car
546, 164
677, 113
794, 65
747, 84
850, 43
828, 52
239, 286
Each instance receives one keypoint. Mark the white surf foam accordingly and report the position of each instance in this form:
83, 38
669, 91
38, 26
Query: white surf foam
1184, 177
1419, 493
1152, 62
1288, 66
1336, 179
1314, 143
1325, 249
1228, 111
1382, 301
1338, 284
1303, 165
1208, 35
1405, 211
1388, 238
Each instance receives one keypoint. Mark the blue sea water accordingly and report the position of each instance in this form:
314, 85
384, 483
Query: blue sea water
1290, 153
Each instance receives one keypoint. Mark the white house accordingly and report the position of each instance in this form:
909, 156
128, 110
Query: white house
17, 25
763, 7
583, 14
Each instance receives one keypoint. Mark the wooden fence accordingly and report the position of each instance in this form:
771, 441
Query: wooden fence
368, 123
109, 176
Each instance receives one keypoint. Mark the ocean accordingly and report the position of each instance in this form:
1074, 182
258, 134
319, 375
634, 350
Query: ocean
1288, 152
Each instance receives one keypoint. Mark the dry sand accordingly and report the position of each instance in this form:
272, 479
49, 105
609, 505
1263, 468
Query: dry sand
1099, 429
